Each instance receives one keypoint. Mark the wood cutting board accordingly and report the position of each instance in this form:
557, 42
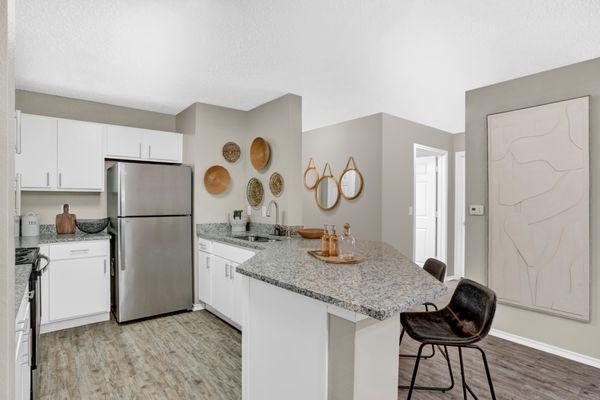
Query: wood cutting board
65, 222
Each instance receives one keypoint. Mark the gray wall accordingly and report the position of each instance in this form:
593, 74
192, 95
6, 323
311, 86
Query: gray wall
399, 137
280, 123
360, 138
84, 205
383, 148
555, 85
7, 174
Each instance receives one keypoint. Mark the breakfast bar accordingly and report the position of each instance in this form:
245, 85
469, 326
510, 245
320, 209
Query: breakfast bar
321, 331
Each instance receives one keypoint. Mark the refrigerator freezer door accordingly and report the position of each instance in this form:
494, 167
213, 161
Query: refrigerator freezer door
154, 268
154, 189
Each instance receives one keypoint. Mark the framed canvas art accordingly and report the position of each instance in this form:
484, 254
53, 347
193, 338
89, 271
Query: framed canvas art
539, 207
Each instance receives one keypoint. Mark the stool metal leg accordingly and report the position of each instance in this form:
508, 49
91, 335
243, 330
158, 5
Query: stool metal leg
434, 388
487, 370
462, 373
414, 375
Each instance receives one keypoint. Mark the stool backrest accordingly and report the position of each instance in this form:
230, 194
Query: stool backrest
474, 306
436, 268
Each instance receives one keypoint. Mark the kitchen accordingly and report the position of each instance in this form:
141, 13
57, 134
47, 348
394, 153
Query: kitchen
176, 241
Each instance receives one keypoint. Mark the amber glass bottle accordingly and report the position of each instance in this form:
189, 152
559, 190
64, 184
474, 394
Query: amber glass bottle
325, 242
333, 243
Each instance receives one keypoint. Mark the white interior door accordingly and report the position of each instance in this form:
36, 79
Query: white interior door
425, 208
459, 215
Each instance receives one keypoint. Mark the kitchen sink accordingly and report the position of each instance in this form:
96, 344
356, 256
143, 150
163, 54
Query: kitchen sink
256, 238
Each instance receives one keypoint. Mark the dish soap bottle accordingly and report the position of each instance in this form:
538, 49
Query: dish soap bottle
347, 243
325, 242
333, 243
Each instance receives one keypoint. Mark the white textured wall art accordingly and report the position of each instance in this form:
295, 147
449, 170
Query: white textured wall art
539, 227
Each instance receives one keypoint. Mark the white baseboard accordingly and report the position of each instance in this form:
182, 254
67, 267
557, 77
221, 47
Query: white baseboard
548, 348
198, 307
72, 323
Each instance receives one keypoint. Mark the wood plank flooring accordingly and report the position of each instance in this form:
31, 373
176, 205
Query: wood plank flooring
197, 356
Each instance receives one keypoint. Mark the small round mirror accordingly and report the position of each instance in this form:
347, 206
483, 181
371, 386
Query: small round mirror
351, 181
327, 193
311, 176
351, 184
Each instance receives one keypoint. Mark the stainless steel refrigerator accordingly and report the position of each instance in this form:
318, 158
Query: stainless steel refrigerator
150, 211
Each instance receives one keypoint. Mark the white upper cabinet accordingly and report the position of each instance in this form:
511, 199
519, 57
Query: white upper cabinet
163, 146
80, 155
129, 143
37, 161
124, 142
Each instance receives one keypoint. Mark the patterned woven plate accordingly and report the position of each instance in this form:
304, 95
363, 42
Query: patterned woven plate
231, 152
254, 192
276, 184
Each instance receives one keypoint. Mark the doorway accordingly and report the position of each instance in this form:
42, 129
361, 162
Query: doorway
459, 214
430, 203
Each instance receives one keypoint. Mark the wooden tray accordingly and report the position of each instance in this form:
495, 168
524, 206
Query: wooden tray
335, 260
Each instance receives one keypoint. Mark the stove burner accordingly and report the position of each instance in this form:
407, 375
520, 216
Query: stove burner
26, 255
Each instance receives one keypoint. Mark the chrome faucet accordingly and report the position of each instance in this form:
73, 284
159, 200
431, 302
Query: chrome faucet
278, 231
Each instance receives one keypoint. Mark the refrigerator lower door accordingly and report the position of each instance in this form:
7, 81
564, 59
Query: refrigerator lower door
154, 267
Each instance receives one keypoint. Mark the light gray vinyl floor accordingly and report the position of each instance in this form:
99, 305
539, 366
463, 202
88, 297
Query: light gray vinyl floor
197, 356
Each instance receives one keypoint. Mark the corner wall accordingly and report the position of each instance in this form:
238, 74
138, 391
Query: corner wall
360, 138
559, 84
399, 137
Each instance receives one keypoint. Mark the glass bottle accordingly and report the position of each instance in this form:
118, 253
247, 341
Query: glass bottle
325, 242
347, 243
333, 243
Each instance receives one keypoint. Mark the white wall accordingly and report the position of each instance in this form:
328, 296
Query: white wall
360, 138
7, 198
563, 83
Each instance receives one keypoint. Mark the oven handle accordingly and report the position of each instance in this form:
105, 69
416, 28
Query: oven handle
42, 256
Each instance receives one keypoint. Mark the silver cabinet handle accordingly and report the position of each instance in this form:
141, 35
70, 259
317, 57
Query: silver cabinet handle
226, 270
105, 266
60, 179
140, 150
207, 262
231, 271
149, 151
18, 141
48, 179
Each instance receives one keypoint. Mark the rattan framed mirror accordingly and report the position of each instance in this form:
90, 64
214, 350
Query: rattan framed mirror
311, 175
351, 181
327, 190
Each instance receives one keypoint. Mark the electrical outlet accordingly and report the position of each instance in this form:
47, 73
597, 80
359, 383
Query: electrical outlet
475, 209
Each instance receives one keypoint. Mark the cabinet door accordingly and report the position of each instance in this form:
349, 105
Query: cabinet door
236, 307
37, 161
163, 146
80, 156
204, 280
124, 142
77, 288
221, 286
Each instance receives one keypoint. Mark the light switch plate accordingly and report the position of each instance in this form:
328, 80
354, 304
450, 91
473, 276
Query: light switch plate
476, 209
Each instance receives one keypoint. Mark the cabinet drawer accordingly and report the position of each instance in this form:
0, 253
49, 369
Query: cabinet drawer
231, 253
204, 245
78, 250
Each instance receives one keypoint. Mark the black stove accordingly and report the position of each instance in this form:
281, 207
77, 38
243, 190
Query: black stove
26, 255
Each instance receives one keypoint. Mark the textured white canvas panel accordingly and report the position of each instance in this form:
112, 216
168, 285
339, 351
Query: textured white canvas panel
539, 228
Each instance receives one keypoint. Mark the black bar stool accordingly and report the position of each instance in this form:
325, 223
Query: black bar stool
466, 320
437, 269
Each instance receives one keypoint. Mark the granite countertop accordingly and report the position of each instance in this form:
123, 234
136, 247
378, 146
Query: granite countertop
47, 238
22, 272
385, 284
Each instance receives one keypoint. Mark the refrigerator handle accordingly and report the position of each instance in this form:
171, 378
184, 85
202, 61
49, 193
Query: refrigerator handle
121, 248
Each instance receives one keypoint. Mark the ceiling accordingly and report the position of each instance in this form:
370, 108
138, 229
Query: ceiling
346, 58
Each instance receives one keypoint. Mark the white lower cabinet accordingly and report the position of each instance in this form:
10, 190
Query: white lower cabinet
219, 285
76, 285
23, 350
